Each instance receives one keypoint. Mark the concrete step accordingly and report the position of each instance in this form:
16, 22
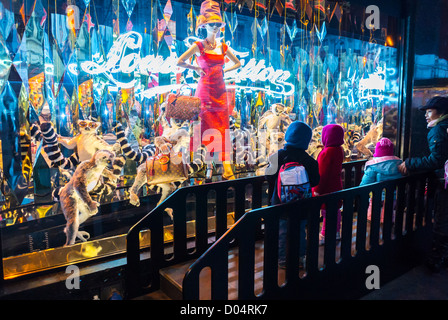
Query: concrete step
172, 277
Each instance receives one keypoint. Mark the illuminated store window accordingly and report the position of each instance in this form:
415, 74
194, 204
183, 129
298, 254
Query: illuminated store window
79, 76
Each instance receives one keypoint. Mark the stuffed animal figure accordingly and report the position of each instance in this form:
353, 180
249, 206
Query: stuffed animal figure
275, 118
46, 132
141, 178
76, 203
371, 138
138, 156
87, 141
315, 146
57, 160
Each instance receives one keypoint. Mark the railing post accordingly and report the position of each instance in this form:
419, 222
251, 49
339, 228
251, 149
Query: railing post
201, 222
389, 208
348, 274
2, 274
132, 274
221, 211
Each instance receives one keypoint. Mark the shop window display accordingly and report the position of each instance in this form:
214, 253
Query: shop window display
82, 76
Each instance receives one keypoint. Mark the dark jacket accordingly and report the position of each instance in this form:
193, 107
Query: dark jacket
438, 147
290, 154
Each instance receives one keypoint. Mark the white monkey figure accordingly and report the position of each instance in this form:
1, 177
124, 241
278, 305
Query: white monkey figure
75, 200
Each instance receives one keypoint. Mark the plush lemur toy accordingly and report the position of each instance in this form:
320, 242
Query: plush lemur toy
371, 138
275, 119
76, 202
87, 141
194, 166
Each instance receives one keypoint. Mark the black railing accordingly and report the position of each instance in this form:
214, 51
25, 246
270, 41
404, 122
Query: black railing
136, 281
143, 276
337, 269
352, 173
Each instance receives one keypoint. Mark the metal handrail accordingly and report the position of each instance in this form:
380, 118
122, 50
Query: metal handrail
143, 277
409, 223
154, 222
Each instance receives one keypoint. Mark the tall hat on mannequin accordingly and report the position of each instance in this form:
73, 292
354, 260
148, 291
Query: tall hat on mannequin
210, 13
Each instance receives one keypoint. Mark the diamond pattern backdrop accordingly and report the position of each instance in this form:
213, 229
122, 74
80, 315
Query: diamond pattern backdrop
42, 48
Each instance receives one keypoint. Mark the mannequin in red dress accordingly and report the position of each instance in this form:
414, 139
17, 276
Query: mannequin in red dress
211, 87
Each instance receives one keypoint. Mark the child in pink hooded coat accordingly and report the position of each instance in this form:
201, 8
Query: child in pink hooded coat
330, 167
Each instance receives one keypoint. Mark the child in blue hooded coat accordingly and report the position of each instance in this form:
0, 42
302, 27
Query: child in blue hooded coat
383, 166
297, 137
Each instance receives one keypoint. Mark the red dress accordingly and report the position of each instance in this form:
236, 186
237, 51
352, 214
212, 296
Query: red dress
211, 90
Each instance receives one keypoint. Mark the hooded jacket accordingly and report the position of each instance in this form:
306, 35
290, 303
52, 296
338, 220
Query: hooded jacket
330, 160
290, 154
438, 147
381, 169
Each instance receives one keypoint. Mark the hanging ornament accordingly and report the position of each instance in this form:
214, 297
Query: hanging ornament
85, 97
322, 33
190, 19
254, 29
167, 11
309, 10
161, 27
88, 20
129, 26
129, 6
319, 9
232, 22
290, 5
249, 4
261, 4
263, 28
279, 6
36, 94
292, 32
169, 34
303, 110
318, 104
115, 17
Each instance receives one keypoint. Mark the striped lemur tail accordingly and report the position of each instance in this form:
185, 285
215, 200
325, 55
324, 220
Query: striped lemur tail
198, 161
137, 156
57, 159
51, 147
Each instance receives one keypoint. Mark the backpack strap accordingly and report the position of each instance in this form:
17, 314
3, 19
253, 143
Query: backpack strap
279, 180
279, 184
446, 174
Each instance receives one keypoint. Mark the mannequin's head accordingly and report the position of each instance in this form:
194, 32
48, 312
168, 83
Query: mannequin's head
210, 17
207, 30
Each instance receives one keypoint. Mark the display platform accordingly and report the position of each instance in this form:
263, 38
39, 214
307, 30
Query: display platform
28, 263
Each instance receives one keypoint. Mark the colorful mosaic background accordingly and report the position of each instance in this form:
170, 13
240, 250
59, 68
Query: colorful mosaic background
338, 69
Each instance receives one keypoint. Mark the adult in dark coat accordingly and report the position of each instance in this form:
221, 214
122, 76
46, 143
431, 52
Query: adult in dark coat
436, 114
